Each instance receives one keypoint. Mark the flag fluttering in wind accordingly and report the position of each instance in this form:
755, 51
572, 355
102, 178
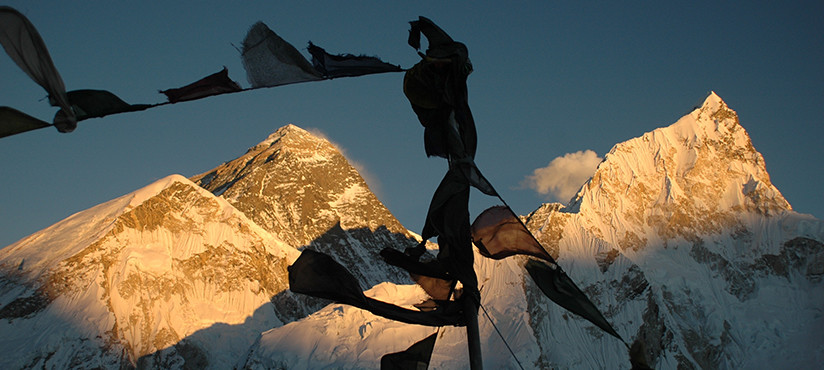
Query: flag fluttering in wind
214, 84
498, 234
99, 103
430, 276
268, 59
436, 89
448, 219
13, 121
558, 287
318, 275
271, 61
347, 65
27, 49
417, 356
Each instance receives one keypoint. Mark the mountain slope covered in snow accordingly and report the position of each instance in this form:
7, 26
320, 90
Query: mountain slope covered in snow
301, 188
134, 276
679, 238
173, 275
690, 250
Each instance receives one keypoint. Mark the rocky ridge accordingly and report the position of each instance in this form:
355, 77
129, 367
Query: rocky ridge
679, 237
301, 188
174, 275
122, 281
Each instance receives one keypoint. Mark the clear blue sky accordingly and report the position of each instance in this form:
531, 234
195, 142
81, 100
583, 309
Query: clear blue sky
549, 79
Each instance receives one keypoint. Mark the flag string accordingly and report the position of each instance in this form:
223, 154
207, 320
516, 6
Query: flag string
555, 264
501, 336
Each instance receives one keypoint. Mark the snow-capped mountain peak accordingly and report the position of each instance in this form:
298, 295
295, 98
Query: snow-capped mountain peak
298, 185
301, 188
679, 238
135, 276
77, 231
694, 177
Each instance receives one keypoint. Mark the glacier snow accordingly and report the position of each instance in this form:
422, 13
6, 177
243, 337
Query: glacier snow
679, 237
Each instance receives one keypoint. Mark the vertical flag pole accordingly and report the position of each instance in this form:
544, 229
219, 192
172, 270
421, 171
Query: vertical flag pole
473, 335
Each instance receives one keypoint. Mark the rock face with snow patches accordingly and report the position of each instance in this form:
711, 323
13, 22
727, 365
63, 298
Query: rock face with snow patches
302, 189
679, 238
688, 248
175, 276
150, 271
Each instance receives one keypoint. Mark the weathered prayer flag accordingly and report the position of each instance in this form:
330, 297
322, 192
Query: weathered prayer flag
13, 121
498, 234
27, 49
558, 287
271, 61
416, 357
99, 103
214, 84
347, 65
318, 275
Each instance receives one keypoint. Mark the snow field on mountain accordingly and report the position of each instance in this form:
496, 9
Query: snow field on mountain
679, 238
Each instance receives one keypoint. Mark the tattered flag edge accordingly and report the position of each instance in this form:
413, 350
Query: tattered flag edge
27, 49
13, 121
216, 84
558, 287
319, 275
416, 356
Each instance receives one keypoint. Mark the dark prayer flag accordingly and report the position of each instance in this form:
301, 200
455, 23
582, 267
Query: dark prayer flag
475, 178
416, 357
271, 61
318, 275
27, 49
448, 219
438, 289
436, 36
13, 121
412, 265
99, 103
498, 234
558, 287
428, 275
436, 89
347, 65
214, 84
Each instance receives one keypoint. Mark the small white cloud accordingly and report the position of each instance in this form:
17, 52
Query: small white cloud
564, 175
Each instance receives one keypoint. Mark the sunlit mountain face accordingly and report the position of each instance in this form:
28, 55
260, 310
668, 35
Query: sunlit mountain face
679, 238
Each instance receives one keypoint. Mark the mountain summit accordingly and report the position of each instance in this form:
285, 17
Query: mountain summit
299, 187
679, 238
143, 273
173, 275
690, 249
692, 178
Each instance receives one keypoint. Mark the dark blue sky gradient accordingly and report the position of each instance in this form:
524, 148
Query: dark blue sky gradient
549, 79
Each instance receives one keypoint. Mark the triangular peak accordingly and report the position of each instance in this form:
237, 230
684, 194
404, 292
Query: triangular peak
700, 174
713, 101
43, 249
298, 139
